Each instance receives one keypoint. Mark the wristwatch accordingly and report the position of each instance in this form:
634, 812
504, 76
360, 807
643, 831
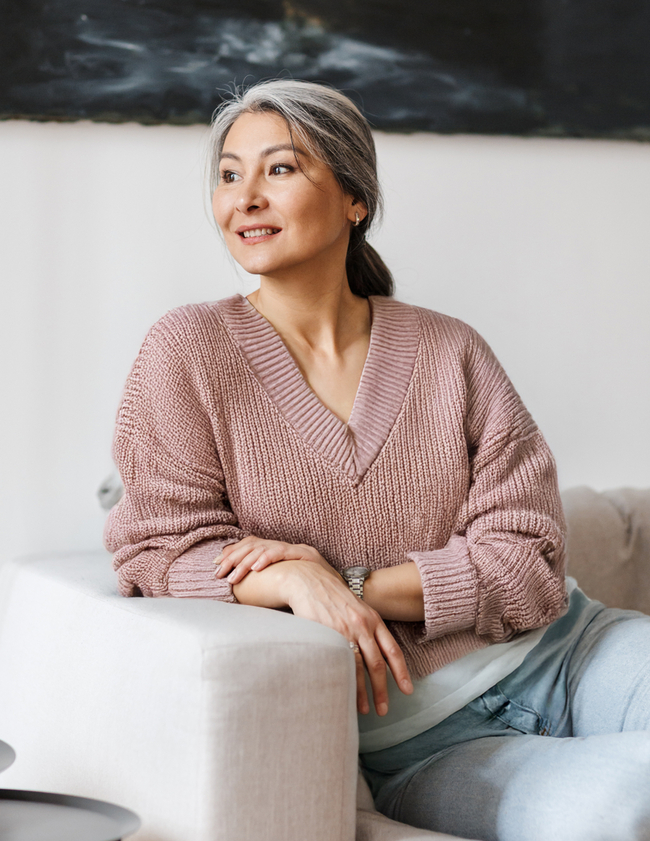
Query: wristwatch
355, 576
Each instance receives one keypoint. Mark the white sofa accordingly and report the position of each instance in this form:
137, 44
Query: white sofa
218, 722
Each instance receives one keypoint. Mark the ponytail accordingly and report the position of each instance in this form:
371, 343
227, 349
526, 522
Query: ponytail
367, 272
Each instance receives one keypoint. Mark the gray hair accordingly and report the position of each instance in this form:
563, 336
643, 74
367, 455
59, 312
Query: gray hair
335, 132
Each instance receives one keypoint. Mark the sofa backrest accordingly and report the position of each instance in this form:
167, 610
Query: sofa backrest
609, 544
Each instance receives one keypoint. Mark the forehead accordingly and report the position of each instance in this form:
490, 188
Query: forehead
250, 131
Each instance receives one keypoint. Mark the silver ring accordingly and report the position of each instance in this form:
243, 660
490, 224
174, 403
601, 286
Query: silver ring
355, 648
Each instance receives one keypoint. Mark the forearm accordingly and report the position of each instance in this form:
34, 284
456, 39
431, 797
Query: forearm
396, 593
264, 588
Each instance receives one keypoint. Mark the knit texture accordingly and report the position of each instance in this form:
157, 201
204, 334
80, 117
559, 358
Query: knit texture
219, 436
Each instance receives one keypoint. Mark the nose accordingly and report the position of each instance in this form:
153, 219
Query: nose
251, 197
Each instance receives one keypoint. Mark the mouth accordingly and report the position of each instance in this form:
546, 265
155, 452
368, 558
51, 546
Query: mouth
251, 235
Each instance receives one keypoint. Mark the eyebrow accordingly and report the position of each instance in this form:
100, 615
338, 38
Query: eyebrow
271, 150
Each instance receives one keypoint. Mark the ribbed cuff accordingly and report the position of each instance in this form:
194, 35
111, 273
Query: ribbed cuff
450, 588
192, 575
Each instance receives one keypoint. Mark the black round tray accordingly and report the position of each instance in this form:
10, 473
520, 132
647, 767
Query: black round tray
7, 755
41, 816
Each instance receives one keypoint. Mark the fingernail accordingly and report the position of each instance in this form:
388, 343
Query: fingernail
217, 569
406, 684
257, 565
365, 709
382, 709
232, 576
218, 558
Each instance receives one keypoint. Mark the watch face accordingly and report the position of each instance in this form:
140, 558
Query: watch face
355, 572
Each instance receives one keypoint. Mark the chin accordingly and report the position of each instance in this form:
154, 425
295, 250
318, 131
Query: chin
258, 267
261, 264
269, 264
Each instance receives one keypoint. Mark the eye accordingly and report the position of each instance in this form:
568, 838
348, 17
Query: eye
227, 176
281, 169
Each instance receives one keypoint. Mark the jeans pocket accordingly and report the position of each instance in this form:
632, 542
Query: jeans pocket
515, 715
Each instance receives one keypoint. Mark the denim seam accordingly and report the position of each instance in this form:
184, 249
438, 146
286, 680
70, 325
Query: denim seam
544, 725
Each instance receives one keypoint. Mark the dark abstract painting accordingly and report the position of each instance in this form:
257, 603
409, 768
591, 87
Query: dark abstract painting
540, 67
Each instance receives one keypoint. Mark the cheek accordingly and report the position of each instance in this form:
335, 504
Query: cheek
324, 215
219, 210
328, 223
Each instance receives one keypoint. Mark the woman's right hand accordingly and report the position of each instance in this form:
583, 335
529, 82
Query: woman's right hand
314, 593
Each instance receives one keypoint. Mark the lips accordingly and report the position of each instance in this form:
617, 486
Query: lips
256, 233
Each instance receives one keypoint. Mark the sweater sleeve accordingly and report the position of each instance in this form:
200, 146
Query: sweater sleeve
174, 517
502, 570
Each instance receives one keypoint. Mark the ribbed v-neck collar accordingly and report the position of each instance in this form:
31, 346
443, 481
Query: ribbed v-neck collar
387, 372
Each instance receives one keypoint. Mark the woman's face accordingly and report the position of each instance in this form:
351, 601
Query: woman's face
277, 216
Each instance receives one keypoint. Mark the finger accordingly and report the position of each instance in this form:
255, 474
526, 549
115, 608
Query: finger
376, 666
263, 560
224, 562
230, 565
224, 565
244, 566
395, 658
238, 550
256, 557
271, 554
295, 552
229, 548
299, 552
228, 560
362, 693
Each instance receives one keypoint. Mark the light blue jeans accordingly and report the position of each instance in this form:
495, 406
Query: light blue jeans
557, 751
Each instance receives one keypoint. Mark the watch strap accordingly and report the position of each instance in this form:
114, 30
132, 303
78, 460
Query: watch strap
356, 586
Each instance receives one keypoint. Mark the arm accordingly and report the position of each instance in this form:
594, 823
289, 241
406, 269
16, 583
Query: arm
313, 592
174, 517
502, 570
394, 592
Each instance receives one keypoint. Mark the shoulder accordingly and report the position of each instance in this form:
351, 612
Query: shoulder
455, 353
191, 332
192, 322
439, 333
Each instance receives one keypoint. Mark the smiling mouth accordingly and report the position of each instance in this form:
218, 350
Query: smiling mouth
259, 232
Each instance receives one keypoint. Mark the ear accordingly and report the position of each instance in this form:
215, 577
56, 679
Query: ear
357, 207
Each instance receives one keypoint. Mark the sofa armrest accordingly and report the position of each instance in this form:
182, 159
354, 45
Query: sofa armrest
212, 721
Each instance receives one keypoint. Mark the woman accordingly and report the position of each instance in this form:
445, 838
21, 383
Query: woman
321, 447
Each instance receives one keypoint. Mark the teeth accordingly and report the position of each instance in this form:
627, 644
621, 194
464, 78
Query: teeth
259, 232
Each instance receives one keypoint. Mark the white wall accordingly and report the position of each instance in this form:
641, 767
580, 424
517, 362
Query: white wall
540, 244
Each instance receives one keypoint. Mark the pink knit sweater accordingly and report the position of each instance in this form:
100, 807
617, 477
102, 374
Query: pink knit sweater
219, 436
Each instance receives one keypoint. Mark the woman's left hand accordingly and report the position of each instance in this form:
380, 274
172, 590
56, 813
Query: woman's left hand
255, 553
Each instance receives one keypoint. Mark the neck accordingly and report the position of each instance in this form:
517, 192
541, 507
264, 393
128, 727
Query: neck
325, 317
